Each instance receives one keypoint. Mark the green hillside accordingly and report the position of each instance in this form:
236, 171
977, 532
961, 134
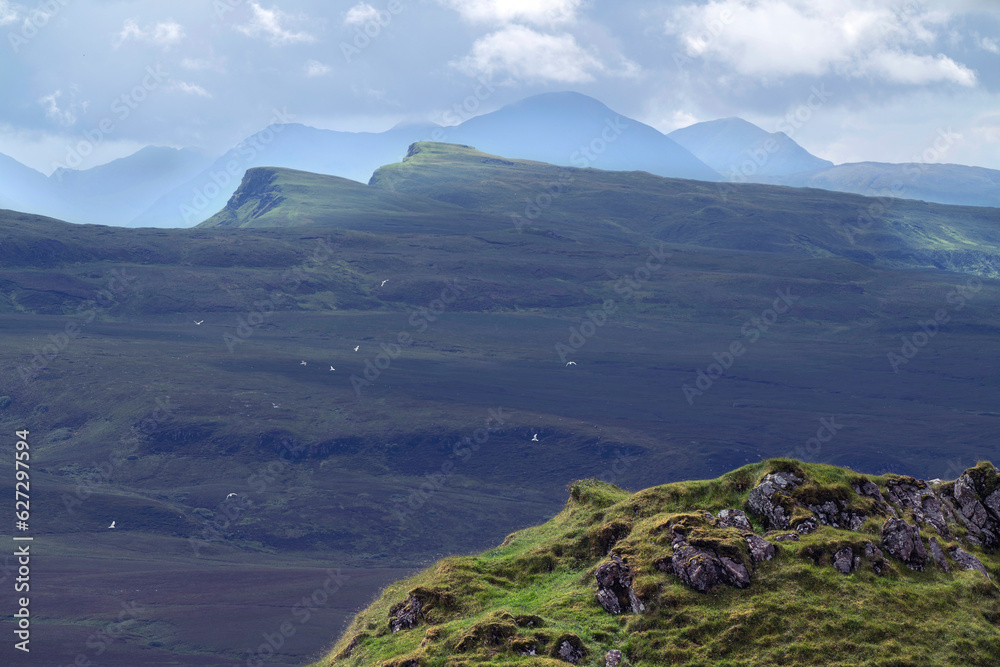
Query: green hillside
826, 567
588, 203
274, 197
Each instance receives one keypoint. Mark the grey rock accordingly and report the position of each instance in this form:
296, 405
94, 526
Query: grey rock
786, 537
807, 526
903, 541
838, 514
405, 615
614, 587
612, 658
764, 499
843, 561
874, 556
737, 519
977, 518
570, 653
937, 554
702, 570
920, 500
760, 549
967, 561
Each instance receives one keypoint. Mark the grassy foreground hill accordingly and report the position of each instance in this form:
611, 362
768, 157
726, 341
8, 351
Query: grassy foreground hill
825, 567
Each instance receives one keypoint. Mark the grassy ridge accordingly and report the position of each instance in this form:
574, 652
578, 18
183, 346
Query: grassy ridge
538, 588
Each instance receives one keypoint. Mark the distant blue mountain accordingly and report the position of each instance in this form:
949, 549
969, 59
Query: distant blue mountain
743, 152
23, 188
571, 129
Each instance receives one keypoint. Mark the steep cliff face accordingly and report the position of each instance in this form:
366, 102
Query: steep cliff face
774, 563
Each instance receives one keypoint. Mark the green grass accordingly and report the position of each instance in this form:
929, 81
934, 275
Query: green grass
797, 611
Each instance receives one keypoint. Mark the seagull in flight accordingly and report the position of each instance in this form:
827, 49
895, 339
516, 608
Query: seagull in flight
275, 405
302, 364
535, 439
357, 347
384, 282
112, 525
332, 368
198, 322
571, 363
230, 496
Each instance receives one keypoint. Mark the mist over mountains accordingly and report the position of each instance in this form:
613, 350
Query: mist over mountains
166, 187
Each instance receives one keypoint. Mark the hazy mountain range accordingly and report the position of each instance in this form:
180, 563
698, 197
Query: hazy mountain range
165, 187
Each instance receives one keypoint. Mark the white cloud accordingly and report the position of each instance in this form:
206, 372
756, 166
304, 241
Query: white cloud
987, 44
911, 69
189, 88
268, 23
65, 116
523, 54
538, 12
8, 12
164, 33
360, 14
780, 38
315, 69
204, 64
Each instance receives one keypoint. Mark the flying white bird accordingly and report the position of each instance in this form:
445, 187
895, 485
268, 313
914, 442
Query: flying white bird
384, 282
535, 439
302, 364
275, 405
112, 525
357, 347
332, 368
571, 363
230, 496
197, 322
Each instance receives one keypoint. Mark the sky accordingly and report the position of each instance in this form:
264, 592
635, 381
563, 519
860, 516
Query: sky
850, 80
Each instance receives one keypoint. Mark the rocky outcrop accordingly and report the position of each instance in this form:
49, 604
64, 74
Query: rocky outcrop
937, 554
903, 541
405, 615
769, 498
733, 518
612, 658
874, 556
920, 499
967, 561
845, 562
569, 648
614, 587
703, 569
760, 549
982, 521
837, 514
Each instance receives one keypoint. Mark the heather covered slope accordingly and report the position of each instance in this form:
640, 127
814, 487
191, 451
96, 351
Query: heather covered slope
825, 567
